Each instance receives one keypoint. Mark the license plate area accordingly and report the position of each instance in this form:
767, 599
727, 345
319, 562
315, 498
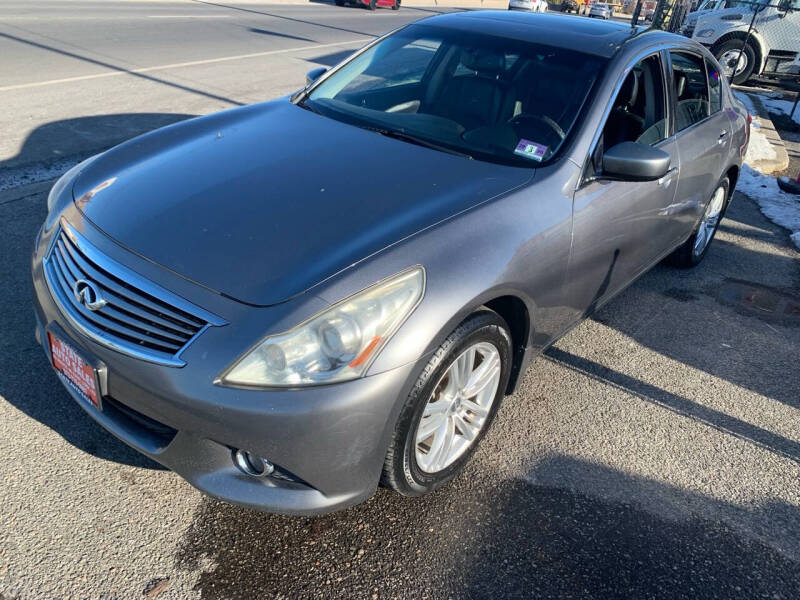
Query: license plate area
75, 370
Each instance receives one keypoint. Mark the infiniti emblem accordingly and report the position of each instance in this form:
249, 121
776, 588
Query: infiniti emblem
86, 293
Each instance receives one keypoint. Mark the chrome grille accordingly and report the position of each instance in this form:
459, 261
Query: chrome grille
137, 317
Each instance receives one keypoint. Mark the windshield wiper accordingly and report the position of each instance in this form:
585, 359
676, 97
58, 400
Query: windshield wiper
399, 134
302, 103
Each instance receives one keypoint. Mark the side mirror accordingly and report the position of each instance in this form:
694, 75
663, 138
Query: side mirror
315, 74
631, 161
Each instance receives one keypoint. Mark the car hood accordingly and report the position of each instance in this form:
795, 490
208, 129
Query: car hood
263, 202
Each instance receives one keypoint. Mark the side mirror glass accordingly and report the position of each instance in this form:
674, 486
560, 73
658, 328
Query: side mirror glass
315, 74
631, 161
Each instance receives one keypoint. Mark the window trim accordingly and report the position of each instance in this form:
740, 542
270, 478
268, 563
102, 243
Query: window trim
708, 84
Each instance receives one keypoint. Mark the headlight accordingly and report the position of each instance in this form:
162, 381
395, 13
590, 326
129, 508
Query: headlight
337, 344
705, 33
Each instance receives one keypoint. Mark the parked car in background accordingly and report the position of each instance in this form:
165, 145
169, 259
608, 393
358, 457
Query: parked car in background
648, 16
772, 48
569, 6
529, 5
353, 278
371, 4
601, 10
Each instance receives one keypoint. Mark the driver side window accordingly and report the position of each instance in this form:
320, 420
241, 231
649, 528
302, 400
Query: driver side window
638, 113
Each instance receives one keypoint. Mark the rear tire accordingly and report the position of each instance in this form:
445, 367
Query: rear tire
373, 4
411, 467
730, 51
396, 5
692, 251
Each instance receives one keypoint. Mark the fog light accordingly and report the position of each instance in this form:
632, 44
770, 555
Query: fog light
252, 464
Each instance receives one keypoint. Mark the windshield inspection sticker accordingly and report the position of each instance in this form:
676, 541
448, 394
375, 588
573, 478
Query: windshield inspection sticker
530, 149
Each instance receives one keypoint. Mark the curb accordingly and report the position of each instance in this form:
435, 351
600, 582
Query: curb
780, 163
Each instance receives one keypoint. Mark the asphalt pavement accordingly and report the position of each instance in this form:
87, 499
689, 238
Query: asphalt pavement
652, 452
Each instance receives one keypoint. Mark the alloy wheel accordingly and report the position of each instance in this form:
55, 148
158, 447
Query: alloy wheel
458, 407
709, 222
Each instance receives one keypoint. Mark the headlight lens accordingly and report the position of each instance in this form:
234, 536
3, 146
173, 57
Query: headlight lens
338, 344
705, 33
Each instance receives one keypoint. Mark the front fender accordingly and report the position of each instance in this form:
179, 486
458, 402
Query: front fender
517, 244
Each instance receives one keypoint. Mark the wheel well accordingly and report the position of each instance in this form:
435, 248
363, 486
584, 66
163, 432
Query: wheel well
740, 35
733, 176
515, 314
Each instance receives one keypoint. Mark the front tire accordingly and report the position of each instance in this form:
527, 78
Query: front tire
373, 4
450, 407
396, 5
693, 250
728, 54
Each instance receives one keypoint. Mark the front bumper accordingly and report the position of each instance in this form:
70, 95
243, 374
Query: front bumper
328, 442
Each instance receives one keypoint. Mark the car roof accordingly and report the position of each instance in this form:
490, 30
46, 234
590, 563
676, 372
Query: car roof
590, 36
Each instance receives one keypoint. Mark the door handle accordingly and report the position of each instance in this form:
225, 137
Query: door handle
667, 177
722, 135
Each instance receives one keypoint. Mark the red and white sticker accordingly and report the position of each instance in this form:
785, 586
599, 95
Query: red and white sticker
76, 370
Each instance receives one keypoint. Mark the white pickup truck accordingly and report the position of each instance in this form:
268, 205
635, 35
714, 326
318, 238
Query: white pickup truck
773, 47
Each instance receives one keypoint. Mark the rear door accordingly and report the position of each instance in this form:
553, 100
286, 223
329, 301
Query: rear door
702, 131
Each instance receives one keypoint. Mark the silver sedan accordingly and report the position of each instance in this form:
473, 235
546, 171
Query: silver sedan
601, 11
293, 302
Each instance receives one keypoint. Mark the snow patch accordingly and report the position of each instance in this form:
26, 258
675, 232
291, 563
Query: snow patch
782, 106
779, 207
759, 147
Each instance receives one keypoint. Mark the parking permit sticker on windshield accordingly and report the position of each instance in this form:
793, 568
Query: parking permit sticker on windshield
530, 149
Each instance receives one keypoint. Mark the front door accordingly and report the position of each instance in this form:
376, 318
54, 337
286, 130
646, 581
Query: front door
620, 228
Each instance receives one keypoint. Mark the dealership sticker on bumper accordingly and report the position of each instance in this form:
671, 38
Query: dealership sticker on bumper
77, 372
530, 149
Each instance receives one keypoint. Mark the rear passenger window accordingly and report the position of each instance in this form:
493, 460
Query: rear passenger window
691, 89
714, 87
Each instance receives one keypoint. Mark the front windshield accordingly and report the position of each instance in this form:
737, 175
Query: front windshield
491, 98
